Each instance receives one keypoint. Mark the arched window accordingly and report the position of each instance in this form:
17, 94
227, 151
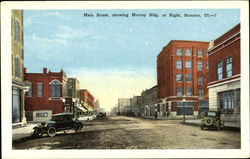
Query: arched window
55, 89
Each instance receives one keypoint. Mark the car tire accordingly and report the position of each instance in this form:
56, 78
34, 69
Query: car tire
208, 121
51, 131
77, 128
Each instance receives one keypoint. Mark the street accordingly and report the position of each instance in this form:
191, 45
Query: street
120, 132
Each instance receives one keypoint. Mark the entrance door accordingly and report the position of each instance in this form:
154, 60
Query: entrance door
16, 114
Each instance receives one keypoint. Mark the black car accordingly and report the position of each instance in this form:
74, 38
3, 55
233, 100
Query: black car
211, 119
58, 122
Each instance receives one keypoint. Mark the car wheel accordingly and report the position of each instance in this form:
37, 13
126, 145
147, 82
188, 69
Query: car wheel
208, 121
51, 131
77, 128
36, 133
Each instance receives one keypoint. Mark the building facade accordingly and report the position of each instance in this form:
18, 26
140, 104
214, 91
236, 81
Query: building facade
136, 103
124, 105
46, 95
224, 75
182, 78
149, 101
87, 99
18, 85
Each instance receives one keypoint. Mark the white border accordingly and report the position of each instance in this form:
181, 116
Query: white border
6, 80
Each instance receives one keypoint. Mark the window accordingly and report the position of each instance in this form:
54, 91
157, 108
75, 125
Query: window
188, 52
200, 66
200, 81
200, 93
55, 89
179, 64
41, 114
39, 90
199, 53
188, 64
179, 91
17, 67
188, 91
29, 93
186, 108
229, 67
227, 100
178, 52
188, 77
17, 31
178, 77
219, 70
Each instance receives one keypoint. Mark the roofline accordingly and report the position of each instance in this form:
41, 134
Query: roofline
227, 31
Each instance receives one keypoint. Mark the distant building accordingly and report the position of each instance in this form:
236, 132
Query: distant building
224, 75
46, 95
114, 110
73, 104
182, 78
87, 99
17, 55
97, 106
124, 105
136, 103
149, 101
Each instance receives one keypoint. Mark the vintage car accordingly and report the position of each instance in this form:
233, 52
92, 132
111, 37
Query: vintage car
211, 119
58, 122
101, 115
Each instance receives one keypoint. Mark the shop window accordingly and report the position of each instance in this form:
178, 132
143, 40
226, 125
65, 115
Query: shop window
184, 108
227, 100
229, 67
29, 93
43, 114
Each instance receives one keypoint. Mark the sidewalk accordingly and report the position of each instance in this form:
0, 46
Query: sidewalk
23, 132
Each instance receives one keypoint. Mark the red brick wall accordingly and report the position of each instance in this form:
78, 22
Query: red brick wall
222, 52
166, 70
87, 97
43, 103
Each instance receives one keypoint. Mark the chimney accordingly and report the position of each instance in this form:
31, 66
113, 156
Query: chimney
44, 70
24, 70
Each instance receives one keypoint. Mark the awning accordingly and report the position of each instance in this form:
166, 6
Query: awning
82, 109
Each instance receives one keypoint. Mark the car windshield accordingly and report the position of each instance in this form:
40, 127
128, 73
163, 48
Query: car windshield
56, 118
211, 113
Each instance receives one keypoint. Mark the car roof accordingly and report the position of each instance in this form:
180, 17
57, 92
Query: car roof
62, 114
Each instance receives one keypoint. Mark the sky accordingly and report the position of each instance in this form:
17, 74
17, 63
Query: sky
113, 57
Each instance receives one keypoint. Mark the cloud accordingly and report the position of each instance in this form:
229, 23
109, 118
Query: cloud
109, 85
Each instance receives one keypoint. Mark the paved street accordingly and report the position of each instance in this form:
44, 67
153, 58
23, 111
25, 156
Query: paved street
119, 132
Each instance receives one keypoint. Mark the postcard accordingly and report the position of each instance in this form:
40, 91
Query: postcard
120, 79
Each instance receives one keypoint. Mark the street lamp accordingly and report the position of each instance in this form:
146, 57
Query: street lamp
155, 111
183, 102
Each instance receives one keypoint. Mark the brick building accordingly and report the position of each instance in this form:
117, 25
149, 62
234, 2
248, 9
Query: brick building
17, 55
136, 103
224, 75
87, 99
149, 100
182, 78
46, 95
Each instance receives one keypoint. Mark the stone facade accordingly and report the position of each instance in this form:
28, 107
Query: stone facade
224, 75
17, 55
149, 100
124, 105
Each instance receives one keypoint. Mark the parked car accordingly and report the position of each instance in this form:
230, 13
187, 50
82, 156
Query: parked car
211, 119
101, 115
58, 122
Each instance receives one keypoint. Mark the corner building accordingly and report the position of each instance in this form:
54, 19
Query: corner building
224, 75
182, 78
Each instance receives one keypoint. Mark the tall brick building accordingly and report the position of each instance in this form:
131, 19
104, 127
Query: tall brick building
224, 75
182, 78
87, 99
46, 95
